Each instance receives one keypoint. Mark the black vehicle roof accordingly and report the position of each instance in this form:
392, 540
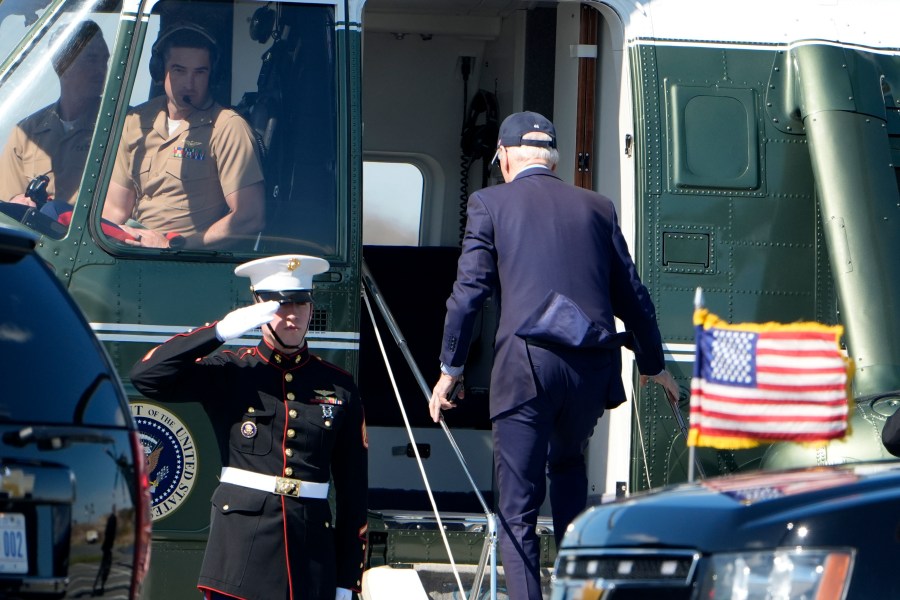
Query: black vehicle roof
16, 241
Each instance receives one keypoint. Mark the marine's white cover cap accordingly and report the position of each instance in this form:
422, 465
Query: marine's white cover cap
283, 273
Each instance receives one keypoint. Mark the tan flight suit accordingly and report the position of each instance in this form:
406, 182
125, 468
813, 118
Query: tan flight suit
39, 145
181, 180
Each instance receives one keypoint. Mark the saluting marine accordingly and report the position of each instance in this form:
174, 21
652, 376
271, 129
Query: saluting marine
286, 422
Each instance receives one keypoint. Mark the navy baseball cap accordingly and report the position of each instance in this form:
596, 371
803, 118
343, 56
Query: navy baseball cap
516, 125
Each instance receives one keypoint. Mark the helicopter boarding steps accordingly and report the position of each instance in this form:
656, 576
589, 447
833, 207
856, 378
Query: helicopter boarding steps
433, 537
408, 559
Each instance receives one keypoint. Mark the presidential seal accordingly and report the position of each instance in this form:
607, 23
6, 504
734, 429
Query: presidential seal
170, 454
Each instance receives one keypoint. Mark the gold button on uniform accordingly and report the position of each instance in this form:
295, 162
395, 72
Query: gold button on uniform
288, 377
290, 396
293, 413
291, 433
288, 452
288, 471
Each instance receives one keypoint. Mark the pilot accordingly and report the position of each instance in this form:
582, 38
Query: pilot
286, 422
54, 142
187, 168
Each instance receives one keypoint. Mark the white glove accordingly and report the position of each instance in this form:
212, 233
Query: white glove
343, 594
240, 321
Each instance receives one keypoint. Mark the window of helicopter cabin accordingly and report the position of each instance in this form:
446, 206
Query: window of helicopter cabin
278, 77
392, 203
50, 92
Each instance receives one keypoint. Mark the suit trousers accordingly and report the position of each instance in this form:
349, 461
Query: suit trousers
546, 437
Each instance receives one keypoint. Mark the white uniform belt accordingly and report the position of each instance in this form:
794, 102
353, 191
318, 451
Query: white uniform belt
283, 486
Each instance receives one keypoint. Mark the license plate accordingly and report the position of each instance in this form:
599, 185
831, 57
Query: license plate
13, 545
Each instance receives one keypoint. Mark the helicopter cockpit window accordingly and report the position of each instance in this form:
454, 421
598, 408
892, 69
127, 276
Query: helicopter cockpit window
50, 91
230, 142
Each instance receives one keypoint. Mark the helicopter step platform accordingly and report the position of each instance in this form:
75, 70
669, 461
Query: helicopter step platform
404, 542
433, 581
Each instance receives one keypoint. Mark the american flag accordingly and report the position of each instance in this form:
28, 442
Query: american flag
757, 383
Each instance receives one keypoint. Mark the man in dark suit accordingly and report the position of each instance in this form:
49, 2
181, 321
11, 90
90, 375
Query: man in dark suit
555, 257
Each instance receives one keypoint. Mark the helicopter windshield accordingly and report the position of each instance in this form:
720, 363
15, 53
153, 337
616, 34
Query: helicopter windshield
243, 161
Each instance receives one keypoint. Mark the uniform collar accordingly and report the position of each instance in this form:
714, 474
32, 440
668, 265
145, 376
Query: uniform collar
198, 118
280, 359
48, 118
204, 117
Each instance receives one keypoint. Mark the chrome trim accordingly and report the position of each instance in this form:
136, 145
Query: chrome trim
625, 554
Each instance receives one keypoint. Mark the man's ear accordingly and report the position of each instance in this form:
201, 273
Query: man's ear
506, 166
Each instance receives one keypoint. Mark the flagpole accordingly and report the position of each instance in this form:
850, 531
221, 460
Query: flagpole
692, 450
698, 298
693, 463
673, 404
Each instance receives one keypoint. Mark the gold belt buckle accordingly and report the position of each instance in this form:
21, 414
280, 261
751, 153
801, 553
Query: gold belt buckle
285, 486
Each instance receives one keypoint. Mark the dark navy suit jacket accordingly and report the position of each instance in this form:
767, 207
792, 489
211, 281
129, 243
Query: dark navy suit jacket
545, 248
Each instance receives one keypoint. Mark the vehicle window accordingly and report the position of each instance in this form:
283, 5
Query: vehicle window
231, 140
102, 405
50, 91
392, 203
53, 368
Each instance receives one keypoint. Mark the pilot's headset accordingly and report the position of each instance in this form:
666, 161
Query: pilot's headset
262, 23
479, 134
187, 35
77, 39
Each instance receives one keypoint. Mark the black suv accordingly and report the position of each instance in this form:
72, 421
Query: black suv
823, 533
74, 497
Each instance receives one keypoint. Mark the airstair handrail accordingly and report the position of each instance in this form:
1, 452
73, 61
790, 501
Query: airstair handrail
490, 547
